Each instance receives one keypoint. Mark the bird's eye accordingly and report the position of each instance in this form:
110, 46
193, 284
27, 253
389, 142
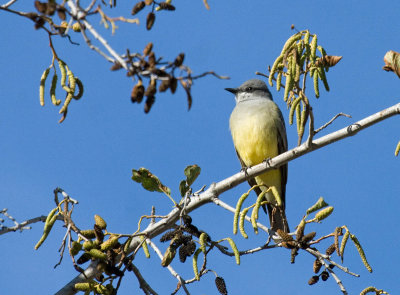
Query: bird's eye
249, 89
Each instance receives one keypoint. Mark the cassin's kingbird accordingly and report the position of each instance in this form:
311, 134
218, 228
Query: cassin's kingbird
259, 133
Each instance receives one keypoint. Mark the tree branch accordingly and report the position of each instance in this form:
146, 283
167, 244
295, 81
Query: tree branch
222, 186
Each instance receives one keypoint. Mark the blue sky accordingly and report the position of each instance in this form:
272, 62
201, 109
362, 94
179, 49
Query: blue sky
92, 153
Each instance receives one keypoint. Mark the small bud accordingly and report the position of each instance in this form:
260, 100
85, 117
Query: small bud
138, 7
285, 236
313, 280
61, 13
168, 256
95, 253
317, 266
41, 7
166, 6
75, 248
100, 222
179, 59
149, 103
137, 92
221, 286
152, 60
187, 219
147, 49
308, 237
85, 257
148, 2
330, 249
88, 233
164, 85
173, 85
116, 66
151, 89
324, 275
151, 17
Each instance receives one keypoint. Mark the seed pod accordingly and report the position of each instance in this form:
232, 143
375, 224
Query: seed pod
324, 275
85, 257
83, 286
166, 6
324, 213
98, 233
87, 245
308, 237
179, 59
285, 236
221, 286
152, 60
278, 81
42, 85
151, 89
169, 235
138, 7
39, 23
149, 103
194, 263
51, 8
151, 17
289, 244
109, 244
137, 92
147, 49
88, 233
361, 252
317, 266
313, 280
316, 86
148, 2
193, 230
95, 253
168, 256
100, 222
75, 248
330, 249
41, 7
173, 85
61, 13
300, 230
164, 85
313, 48
54, 100
187, 219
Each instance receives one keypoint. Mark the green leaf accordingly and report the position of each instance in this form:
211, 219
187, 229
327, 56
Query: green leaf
149, 181
191, 173
183, 188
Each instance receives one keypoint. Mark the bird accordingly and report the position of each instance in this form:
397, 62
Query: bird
259, 133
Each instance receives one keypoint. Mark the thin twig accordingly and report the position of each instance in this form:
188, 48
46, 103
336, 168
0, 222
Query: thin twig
8, 4
330, 122
224, 205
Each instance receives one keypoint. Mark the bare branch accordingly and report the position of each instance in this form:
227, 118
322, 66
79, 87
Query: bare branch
331, 121
19, 225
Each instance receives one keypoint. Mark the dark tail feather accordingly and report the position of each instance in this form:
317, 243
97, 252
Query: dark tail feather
277, 218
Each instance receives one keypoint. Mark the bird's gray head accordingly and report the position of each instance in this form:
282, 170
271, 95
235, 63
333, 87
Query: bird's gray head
251, 90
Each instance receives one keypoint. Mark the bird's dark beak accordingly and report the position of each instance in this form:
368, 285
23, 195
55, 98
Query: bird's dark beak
232, 90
